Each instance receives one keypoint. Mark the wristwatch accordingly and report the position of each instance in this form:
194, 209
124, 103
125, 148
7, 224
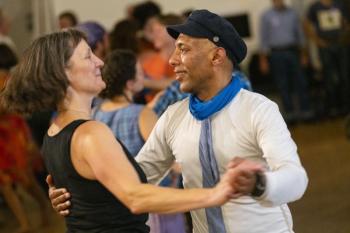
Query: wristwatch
260, 185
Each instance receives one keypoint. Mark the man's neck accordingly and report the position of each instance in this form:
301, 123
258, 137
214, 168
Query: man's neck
218, 83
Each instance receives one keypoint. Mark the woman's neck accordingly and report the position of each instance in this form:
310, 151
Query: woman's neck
67, 115
76, 102
74, 109
77, 111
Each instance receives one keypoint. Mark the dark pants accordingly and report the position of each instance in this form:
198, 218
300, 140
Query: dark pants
334, 61
289, 78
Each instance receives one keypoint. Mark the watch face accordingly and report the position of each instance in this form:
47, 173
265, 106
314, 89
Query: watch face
260, 185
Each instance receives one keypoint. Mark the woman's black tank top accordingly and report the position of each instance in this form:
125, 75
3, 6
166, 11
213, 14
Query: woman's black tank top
93, 208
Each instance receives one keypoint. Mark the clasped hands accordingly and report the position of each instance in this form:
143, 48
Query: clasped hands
238, 180
241, 175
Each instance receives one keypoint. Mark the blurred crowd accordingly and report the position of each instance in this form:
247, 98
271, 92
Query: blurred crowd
143, 85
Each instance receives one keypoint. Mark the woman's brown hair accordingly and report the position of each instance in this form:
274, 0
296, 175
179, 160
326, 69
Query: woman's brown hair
39, 81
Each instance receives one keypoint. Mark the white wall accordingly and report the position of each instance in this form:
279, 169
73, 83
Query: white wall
107, 12
19, 14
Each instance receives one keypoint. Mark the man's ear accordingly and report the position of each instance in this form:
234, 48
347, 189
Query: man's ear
219, 56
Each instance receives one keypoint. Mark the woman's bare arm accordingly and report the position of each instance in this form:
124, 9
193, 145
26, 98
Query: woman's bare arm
97, 145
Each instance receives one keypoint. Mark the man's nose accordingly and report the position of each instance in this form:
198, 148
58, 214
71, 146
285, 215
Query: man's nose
174, 58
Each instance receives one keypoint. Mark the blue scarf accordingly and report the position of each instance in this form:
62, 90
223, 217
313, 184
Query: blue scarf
202, 110
210, 171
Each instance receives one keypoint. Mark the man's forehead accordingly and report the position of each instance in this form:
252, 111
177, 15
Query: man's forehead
185, 39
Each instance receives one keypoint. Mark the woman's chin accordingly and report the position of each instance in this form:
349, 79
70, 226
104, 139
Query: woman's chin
101, 84
99, 87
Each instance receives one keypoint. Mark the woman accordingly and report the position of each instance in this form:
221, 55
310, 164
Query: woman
109, 190
131, 123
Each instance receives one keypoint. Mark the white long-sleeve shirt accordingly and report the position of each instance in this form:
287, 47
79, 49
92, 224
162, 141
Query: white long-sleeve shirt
250, 126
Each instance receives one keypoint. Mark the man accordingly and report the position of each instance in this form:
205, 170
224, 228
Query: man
218, 123
282, 39
325, 26
156, 32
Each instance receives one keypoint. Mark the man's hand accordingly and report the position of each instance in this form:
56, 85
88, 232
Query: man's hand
59, 198
245, 179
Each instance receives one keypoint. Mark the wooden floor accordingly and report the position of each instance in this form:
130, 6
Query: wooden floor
325, 154
325, 208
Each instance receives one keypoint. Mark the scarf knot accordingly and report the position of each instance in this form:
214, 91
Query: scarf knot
204, 109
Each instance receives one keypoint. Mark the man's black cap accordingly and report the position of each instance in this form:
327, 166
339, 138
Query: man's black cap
205, 24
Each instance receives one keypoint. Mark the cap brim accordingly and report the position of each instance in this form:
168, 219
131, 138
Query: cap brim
189, 28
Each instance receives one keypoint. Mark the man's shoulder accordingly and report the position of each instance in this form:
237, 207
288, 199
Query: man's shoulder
247, 103
250, 107
252, 98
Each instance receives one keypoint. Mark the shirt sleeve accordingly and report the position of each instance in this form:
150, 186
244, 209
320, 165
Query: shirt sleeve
155, 157
286, 179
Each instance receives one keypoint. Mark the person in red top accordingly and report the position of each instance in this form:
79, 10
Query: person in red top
18, 155
157, 67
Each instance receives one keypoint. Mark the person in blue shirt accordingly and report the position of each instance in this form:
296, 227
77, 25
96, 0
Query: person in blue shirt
131, 123
282, 39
